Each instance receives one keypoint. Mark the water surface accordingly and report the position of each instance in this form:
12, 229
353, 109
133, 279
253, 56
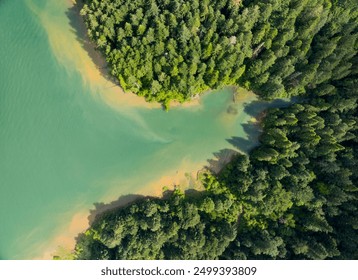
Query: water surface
68, 138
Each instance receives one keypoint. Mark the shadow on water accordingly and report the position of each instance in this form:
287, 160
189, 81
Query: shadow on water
220, 159
121, 202
127, 200
101, 209
253, 131
80, 30
215, 164
256, 109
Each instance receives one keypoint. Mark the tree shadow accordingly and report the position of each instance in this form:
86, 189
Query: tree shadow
253, 131
122, 202
240, 143
80, 30
221, 158
127, 200
256, 109
193, 193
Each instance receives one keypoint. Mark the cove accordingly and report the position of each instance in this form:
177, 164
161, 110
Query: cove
69, 138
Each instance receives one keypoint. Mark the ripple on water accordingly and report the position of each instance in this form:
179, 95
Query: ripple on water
70, 138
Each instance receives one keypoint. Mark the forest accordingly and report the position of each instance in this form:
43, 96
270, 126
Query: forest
295, 196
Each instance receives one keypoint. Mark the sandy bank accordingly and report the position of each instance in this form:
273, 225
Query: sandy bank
67, 35
73, 51
62, 245
184, 177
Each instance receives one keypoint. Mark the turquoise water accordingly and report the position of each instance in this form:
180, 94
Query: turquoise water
62, 147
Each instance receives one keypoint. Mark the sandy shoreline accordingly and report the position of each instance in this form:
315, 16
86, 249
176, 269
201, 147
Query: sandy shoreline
184, 177
91, 65
62, 245
67, 32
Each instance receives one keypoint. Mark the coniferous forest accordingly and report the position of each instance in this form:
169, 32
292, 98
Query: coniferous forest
292, 197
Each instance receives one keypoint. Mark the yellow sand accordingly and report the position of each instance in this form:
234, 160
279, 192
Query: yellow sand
62, 245
82, 56
71, 54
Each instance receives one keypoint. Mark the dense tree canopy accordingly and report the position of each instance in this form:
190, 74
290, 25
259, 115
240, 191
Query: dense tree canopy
165, 49
173, 49
299, 187
293, 197
177, 228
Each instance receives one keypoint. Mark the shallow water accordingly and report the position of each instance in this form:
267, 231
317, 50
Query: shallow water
68, 138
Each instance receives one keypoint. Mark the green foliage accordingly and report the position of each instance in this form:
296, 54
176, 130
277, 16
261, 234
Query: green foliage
176, 228
292, 197
298, 202
166, 49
